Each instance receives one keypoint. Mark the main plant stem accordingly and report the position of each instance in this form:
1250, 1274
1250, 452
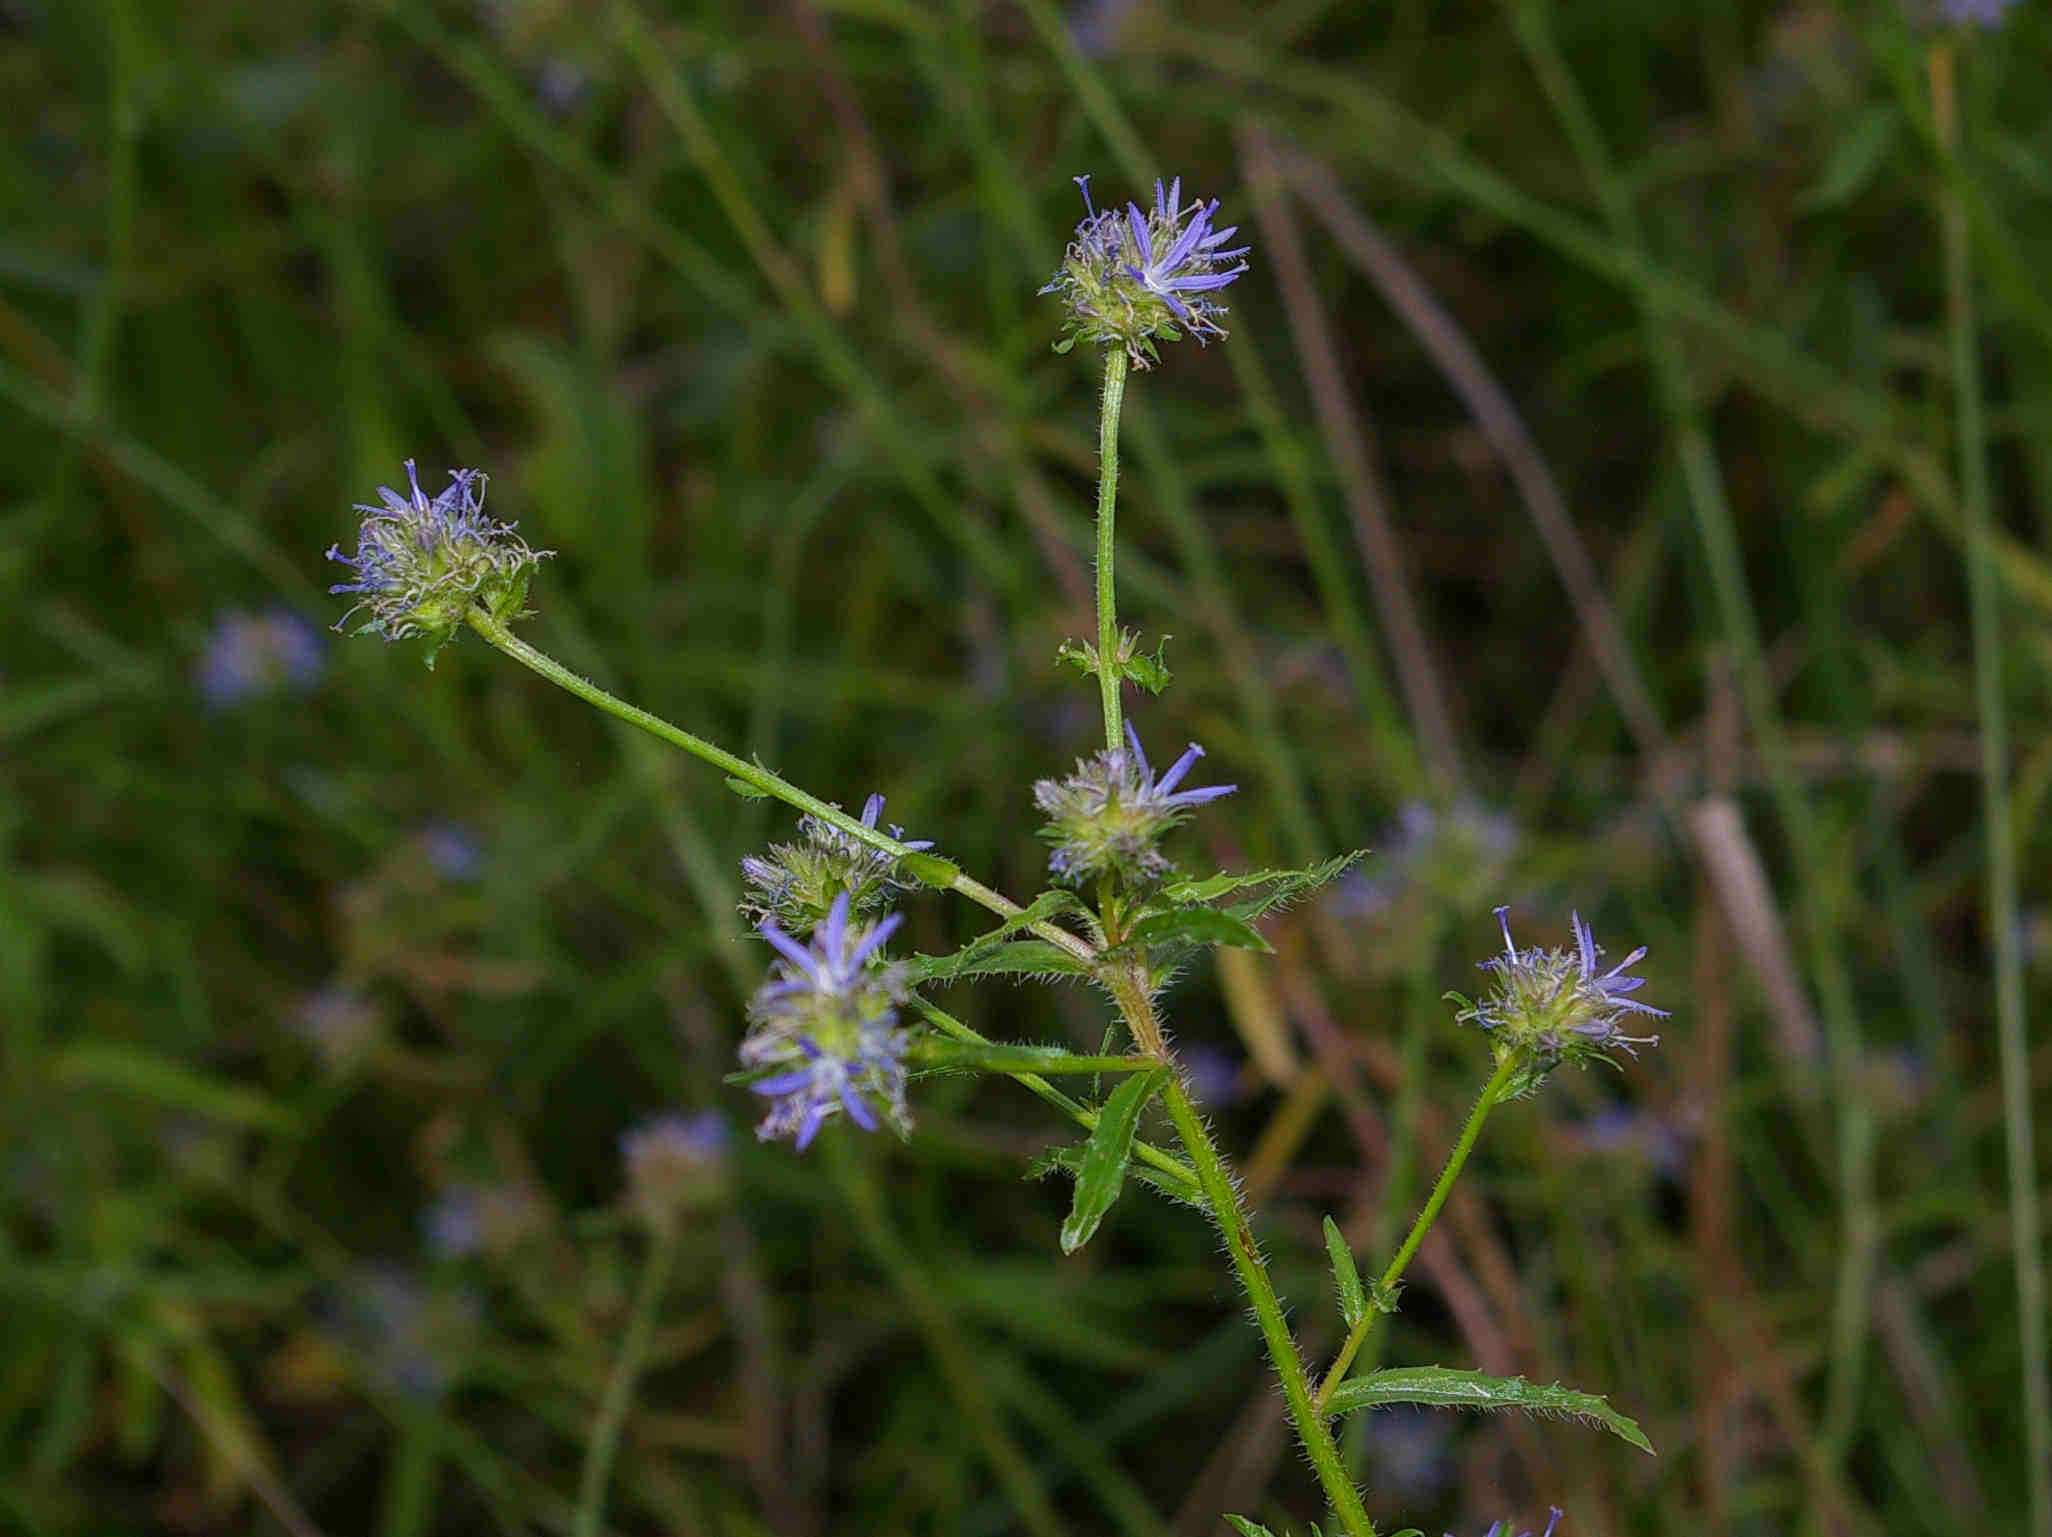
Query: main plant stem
752, 774
1222, 1196
1108, 669
1491, 1091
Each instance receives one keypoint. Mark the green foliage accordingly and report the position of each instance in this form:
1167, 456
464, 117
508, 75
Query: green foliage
741, 319
1448, 1388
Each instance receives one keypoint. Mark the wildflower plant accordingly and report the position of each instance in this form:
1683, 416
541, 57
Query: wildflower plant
838, 1031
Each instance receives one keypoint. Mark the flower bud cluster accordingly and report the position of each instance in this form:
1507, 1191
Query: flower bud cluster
796, 883
1133, 278
826, 1022
422, 564
1107, 817
1552, 1006
671, 1161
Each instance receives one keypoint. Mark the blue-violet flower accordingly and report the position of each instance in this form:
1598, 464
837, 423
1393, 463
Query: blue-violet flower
1108, 816
1553, 1520
796, 883
422, 565
1131, 277
670, 1160
1552, 1006
828, 1018
251, 655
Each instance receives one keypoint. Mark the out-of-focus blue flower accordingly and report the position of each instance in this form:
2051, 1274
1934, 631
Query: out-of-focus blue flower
491, 1218
796, 883
1132, 278
828, 1019
1108, 816
1660, 1141
1495, 1527
1553, 1006
251, 655
422, 564
453, 850
1408, 1452
670, 1160
1214, 1076
1985, 13
410, 1336
340, 1023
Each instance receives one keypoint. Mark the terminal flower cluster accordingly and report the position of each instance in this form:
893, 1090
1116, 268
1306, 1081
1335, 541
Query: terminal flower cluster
1107, 817
796, 883
1132, 278
421, 564
1553, 1006
826, 1024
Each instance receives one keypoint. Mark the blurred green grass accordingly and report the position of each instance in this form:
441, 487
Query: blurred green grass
738, 311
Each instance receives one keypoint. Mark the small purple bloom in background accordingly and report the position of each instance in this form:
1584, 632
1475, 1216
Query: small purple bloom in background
1496, 1527
1660, 1141
482, 1219
829, 1019
1986, 13
249, 656
411, 1337
340, 1024
1131, 278
1108, 815
1553, 1006
1214, 1076
670, 1159
453, 850
1408, 1452
422, 565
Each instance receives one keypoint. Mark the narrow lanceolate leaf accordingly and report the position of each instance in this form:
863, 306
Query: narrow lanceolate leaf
1353, 1300
1198, 926
1248, 1528
970, 1057
1443, 1385
1106, 1155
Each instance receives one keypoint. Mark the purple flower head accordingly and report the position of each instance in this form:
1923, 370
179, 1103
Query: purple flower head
493, 1218
672, 1159
1983, 13
1132, 278
1553, 1006
1553, 1520
251, 655
1108, 816
796, 883
452, 848
339, 1023
827, 1018
422, 565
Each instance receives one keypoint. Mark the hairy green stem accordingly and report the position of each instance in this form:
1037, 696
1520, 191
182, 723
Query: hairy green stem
1491, 1092
619, 1396
752, 774
1107, 499
1983, 597
1223, 1197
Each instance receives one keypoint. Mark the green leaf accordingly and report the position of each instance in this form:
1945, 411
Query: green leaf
930, 870
1106, 1155
969, 1056
1445, 1386
1248, 1528
1287, 884
1026, 958
1353, 1300
745, 790
1150, 672
1069, 1161
169, 1083
1854, 160
1199, 926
